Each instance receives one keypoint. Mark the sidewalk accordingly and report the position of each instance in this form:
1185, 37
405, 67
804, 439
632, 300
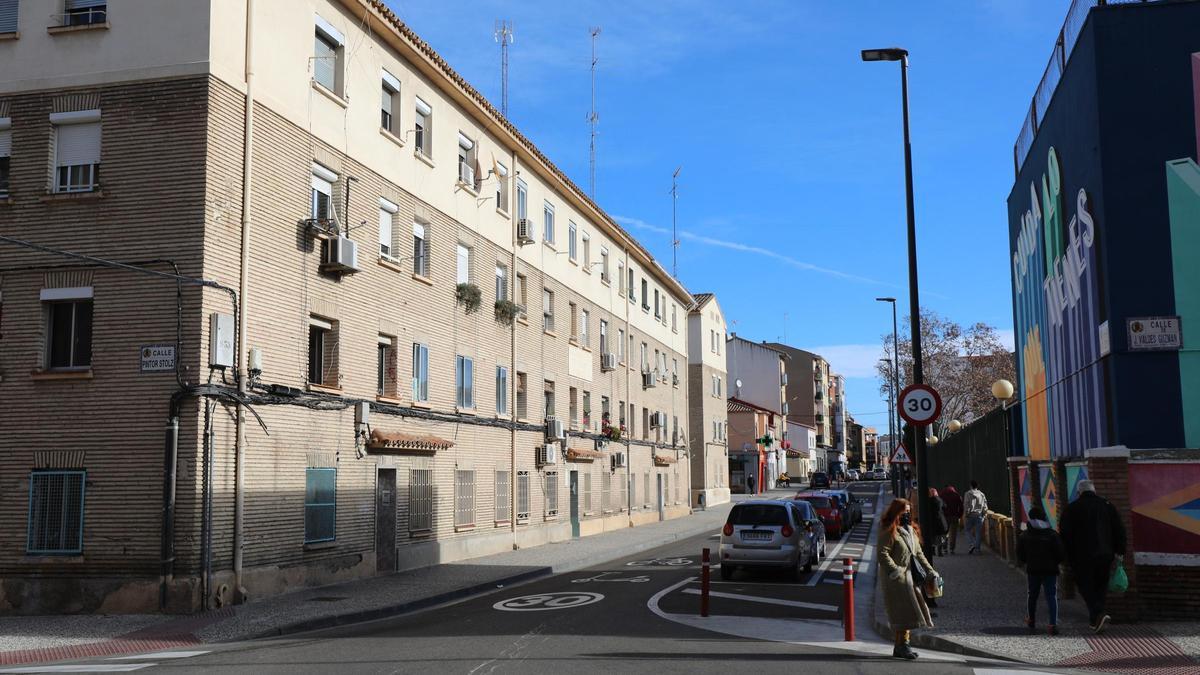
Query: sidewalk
25, 639
983, 612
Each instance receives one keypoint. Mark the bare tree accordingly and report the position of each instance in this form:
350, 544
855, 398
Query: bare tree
961, 363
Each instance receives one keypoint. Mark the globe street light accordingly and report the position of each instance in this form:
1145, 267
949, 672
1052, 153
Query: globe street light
925, 510
954, 426
1002, 390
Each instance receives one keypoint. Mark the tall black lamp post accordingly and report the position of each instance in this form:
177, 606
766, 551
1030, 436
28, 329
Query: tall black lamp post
925, 508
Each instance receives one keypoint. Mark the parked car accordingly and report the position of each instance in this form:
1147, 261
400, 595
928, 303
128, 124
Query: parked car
820, 479
827, 510
879, 473
853, 474
850, 505
764, 533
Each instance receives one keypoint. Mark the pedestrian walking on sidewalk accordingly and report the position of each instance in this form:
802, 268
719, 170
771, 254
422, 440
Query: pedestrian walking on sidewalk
1093, 535
750, 483
975, 508
939, 523
954, 514
1041, 550
905, 569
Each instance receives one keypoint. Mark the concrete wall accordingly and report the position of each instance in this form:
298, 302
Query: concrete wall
760, 369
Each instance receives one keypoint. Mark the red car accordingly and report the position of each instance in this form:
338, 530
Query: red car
827, 511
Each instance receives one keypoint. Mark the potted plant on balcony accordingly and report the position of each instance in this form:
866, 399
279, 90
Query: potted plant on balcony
609, 431
507, 311
469, 296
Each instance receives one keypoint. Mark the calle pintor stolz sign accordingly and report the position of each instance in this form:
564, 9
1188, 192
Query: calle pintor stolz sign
158, 358
1154, 333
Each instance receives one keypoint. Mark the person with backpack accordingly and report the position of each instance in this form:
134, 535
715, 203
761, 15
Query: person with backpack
975, 508
954, 514
1093, 535
1041, 550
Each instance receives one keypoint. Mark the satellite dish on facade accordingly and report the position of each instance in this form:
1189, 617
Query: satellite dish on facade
737, 383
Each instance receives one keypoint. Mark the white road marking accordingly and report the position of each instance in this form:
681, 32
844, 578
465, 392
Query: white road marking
548, 601
82, 668
159, 655
766, 601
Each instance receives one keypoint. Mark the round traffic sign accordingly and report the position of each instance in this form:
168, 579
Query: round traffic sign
920, 404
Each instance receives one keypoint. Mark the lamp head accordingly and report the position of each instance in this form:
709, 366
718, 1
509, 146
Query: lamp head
1002, 389
955, 425
885, 300
888, 54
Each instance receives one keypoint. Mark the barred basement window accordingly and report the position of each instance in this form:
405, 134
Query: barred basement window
320, 505
56, 512
420, 500
464, 498
503, 494
587, 493
522, 496
666, 488
551, 494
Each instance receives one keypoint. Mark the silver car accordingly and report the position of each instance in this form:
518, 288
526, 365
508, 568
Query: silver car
765, 533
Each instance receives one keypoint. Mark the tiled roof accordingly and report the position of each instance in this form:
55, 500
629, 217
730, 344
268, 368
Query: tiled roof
479, 99
701, 299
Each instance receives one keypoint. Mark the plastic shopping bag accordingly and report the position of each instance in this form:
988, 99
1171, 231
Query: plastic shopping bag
1118, 582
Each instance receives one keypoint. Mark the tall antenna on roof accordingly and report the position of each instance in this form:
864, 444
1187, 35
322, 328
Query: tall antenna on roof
674, 237
505, 36
593, 118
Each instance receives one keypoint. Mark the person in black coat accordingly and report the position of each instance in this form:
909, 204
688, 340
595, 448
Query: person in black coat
1093, 535
940, 527
1041, 550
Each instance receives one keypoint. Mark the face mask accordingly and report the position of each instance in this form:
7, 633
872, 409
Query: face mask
906, 519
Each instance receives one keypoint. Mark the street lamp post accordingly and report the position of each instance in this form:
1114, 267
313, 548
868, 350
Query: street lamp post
925, 511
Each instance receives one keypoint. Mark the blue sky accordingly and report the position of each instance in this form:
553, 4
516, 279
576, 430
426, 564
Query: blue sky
791, 198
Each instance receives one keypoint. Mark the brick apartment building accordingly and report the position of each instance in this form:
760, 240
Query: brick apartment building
361, 311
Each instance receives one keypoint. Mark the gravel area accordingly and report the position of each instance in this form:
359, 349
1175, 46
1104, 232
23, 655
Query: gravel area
18, 633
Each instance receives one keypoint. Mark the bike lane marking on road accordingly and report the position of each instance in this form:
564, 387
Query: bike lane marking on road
766, 601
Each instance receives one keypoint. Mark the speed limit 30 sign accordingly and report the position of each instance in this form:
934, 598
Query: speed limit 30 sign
920, 404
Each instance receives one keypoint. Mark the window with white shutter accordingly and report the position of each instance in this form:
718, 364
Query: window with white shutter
387, 214
387, 106
328, 52
420, 250
76, 150
464, 264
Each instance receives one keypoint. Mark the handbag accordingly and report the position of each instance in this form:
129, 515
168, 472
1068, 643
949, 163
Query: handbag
934, 586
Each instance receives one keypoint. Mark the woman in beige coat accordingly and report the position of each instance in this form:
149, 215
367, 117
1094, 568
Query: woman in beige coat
899, 551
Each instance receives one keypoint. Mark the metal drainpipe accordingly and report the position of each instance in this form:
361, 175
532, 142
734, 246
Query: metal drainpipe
166, 572
239, 502
512, 364
629, 395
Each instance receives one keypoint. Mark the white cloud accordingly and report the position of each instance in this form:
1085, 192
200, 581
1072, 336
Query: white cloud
851, 360
746, 248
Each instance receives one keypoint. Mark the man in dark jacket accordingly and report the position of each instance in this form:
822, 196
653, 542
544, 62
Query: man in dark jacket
1093, 534
1041, 550
939, 522
954, 514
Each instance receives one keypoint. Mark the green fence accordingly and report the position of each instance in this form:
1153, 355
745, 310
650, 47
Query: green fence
979, 451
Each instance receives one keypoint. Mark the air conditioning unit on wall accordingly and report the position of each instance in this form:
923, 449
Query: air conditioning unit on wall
608, 362
648, 380
547, 454
340, 256
555, 430
524, 231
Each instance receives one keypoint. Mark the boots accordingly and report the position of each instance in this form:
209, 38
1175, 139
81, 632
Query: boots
902, 650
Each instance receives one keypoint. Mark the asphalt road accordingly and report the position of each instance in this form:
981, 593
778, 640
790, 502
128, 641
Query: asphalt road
635, 615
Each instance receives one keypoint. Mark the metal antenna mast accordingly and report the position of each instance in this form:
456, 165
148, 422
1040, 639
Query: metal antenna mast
674, 236
504, 35
593, 118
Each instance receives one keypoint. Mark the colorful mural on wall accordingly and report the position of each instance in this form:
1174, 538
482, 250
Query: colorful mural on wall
1058, 313
1183, 196
1049, 496
1075, 473
1165, 499
1025, 482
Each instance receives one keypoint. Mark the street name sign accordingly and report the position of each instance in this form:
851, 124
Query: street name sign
1154, 333
920, 404
900, 456
158, 358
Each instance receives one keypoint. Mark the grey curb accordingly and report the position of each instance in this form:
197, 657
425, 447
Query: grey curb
466, 592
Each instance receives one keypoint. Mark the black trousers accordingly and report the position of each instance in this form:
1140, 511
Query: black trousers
1091, 578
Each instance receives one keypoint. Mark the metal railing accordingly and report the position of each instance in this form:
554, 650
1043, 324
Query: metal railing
1063, 46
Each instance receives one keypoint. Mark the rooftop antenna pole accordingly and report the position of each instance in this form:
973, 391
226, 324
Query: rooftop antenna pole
504, 35
674, 236
593, 118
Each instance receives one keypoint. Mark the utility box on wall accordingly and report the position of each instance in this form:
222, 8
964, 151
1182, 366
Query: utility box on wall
220, 341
